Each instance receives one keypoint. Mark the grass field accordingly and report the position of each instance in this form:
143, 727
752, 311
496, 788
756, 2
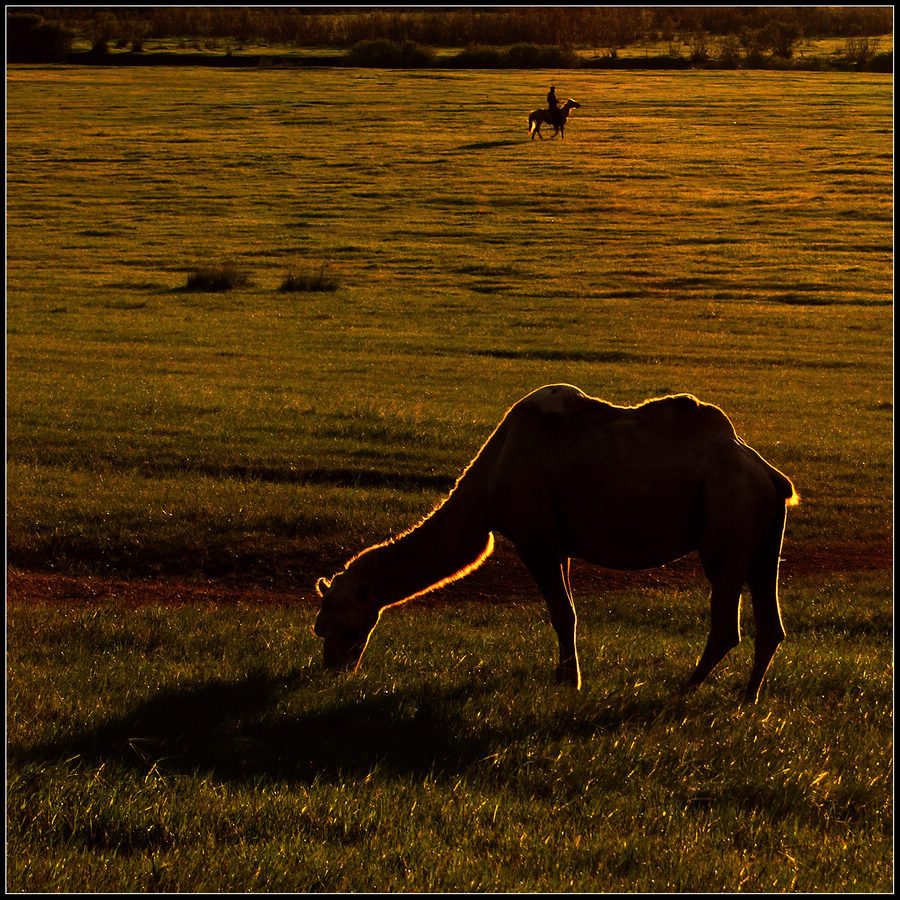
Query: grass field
727, 234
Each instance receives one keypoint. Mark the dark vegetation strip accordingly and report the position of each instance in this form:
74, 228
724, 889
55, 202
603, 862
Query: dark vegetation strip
522, 38
629, 356
476, 58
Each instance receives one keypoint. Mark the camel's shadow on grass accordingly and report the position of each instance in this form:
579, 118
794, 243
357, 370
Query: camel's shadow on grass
235, 731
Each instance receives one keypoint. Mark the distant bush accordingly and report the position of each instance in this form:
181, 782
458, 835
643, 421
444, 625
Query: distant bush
381, 53
477, 57
518, 56
317, 282
216, 278
536, 56
861, 48
881, 62
384, 53
31, 39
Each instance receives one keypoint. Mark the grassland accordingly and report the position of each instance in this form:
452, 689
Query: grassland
728, 234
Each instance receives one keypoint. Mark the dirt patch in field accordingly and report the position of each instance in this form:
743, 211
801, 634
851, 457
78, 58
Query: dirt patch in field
501, 577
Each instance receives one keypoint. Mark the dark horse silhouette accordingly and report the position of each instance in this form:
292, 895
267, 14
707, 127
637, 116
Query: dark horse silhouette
544, 116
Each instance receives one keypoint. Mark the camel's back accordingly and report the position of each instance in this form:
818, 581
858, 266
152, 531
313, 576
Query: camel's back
587, 474
622, 486
566, 412
683, 416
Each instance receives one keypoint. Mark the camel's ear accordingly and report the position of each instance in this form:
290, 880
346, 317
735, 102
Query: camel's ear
322, 585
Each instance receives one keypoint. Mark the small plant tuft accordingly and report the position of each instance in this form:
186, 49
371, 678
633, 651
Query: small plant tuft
318, 282
216, 278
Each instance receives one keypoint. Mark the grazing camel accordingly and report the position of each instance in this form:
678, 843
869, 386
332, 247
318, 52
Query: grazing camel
626, 487
544, 116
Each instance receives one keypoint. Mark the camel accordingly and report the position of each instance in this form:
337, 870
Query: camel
565, 475
541, 116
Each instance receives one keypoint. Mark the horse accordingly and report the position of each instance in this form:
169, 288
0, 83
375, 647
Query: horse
626, 487
544, 116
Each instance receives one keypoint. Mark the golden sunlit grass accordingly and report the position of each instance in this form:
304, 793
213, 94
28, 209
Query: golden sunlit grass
727, 234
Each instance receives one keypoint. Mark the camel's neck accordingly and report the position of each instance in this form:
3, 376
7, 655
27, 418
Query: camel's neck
445, 546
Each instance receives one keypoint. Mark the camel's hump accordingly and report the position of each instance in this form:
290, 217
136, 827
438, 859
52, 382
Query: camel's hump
678, 411
557, 399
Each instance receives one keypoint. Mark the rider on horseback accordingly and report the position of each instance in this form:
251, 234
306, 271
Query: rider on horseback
553, 105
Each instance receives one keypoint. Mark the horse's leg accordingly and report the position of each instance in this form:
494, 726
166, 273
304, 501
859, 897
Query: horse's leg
552, 577
763, 582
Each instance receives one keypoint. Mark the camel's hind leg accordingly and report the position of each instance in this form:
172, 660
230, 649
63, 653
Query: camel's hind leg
552, 577
725, 566
724, 629
763, 582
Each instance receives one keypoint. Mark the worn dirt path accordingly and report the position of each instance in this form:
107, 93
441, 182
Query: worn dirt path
501, 577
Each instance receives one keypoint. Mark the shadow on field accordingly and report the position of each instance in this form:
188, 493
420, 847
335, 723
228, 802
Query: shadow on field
235, 732
489, 145
248, 729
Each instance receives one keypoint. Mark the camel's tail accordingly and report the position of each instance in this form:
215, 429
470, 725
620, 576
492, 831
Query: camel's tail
783, 485
785, 488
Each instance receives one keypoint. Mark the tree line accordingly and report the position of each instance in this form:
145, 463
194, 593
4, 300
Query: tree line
776, 31
607, 27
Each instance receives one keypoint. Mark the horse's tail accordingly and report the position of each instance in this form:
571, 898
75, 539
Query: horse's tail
530, 122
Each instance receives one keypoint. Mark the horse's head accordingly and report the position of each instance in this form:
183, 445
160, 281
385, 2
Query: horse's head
345, 620
572, 104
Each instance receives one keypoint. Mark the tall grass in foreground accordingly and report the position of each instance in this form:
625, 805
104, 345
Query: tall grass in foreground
203, 749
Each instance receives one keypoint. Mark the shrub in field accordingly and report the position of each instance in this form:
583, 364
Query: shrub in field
102, 31
699, 43
518, 56
216, 278
135, 32
30, 39
730, 52
391, 54
881, 62
860, 48
317, 282
535, 56
476, 57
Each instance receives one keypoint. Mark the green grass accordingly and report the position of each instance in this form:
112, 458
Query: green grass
202, 749
727, 234
724, 234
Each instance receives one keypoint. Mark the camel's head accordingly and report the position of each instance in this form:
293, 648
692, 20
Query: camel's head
345, 620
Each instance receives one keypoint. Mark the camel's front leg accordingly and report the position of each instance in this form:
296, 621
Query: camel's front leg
552, 577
